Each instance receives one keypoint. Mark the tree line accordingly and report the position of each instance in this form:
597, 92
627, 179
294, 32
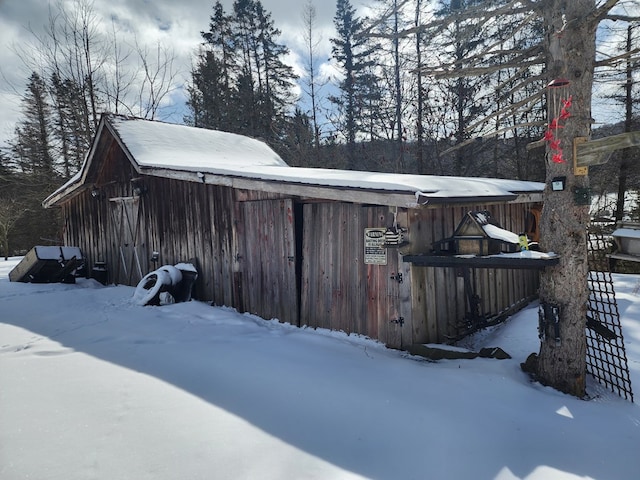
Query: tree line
446, 87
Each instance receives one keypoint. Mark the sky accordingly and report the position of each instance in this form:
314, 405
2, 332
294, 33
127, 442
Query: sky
95, 386
178, 25
173, 23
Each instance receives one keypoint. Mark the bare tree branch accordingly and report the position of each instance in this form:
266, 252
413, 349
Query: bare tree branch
607, 62
509, 110
622, 18
493, 133
482, 13
158, 78
601, 12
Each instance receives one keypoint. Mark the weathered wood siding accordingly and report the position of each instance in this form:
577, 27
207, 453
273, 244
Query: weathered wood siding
89, 220
244, 250
269, 260
192, 222
339, 291
250, 266
300, 260
438, 294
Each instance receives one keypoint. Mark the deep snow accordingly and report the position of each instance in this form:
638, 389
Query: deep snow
93, 386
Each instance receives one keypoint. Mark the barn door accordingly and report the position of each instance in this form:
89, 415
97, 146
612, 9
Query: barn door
385, 276
268, 262
349, 283
126, 216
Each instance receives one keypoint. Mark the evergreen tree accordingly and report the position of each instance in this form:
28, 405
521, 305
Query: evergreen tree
71, 130
352, 51
38, 174
33, 146
275, 96
212, 91
241, 83
209, 99
299, 142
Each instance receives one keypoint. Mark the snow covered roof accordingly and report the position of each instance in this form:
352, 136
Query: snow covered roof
626, 233
166, 145
209, 156
498, 233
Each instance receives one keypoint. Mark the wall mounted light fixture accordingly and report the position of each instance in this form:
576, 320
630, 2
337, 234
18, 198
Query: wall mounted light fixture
558, 184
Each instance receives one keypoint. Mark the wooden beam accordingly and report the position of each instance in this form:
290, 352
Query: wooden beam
596, 152
494, 261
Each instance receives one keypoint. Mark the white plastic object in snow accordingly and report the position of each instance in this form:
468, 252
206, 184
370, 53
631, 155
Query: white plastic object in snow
150, 286
186, 267
166, 298
174, 273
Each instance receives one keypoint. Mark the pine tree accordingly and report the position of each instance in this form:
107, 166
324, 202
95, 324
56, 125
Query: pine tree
300, 142
212, 91
275, 96
241, 83
33, 146
353, 52
70, 128
38, 172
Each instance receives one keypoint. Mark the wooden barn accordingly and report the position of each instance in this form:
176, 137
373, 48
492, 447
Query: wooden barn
342, 250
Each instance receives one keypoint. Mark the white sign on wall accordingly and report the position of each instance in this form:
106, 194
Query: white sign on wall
375, 252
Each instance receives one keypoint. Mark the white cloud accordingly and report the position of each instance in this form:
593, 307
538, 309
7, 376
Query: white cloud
171, 23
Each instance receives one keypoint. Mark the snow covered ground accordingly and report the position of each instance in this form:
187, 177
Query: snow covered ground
93, 386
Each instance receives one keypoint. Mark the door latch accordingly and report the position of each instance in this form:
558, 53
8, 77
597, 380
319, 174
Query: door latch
397, 277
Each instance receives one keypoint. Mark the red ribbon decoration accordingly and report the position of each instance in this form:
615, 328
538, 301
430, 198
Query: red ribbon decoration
549, 135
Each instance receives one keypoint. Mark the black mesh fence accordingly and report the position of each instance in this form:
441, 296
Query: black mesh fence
606, 355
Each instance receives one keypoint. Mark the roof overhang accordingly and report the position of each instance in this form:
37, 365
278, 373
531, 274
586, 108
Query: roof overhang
399, 190
82, 181
374, 196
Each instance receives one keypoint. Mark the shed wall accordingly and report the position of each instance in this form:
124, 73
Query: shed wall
247, 248
439, 300
340, 291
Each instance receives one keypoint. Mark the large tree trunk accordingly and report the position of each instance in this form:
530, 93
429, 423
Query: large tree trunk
571, 46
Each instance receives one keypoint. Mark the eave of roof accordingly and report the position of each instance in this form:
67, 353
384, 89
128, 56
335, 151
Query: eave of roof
272, 175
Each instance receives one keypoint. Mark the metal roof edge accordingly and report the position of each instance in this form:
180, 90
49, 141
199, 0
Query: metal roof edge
78, 184
438, 200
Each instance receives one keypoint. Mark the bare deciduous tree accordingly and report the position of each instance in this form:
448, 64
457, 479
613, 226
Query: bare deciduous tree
11, 210
311, 82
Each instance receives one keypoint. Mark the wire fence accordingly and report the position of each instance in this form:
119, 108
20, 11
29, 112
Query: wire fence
606, 355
